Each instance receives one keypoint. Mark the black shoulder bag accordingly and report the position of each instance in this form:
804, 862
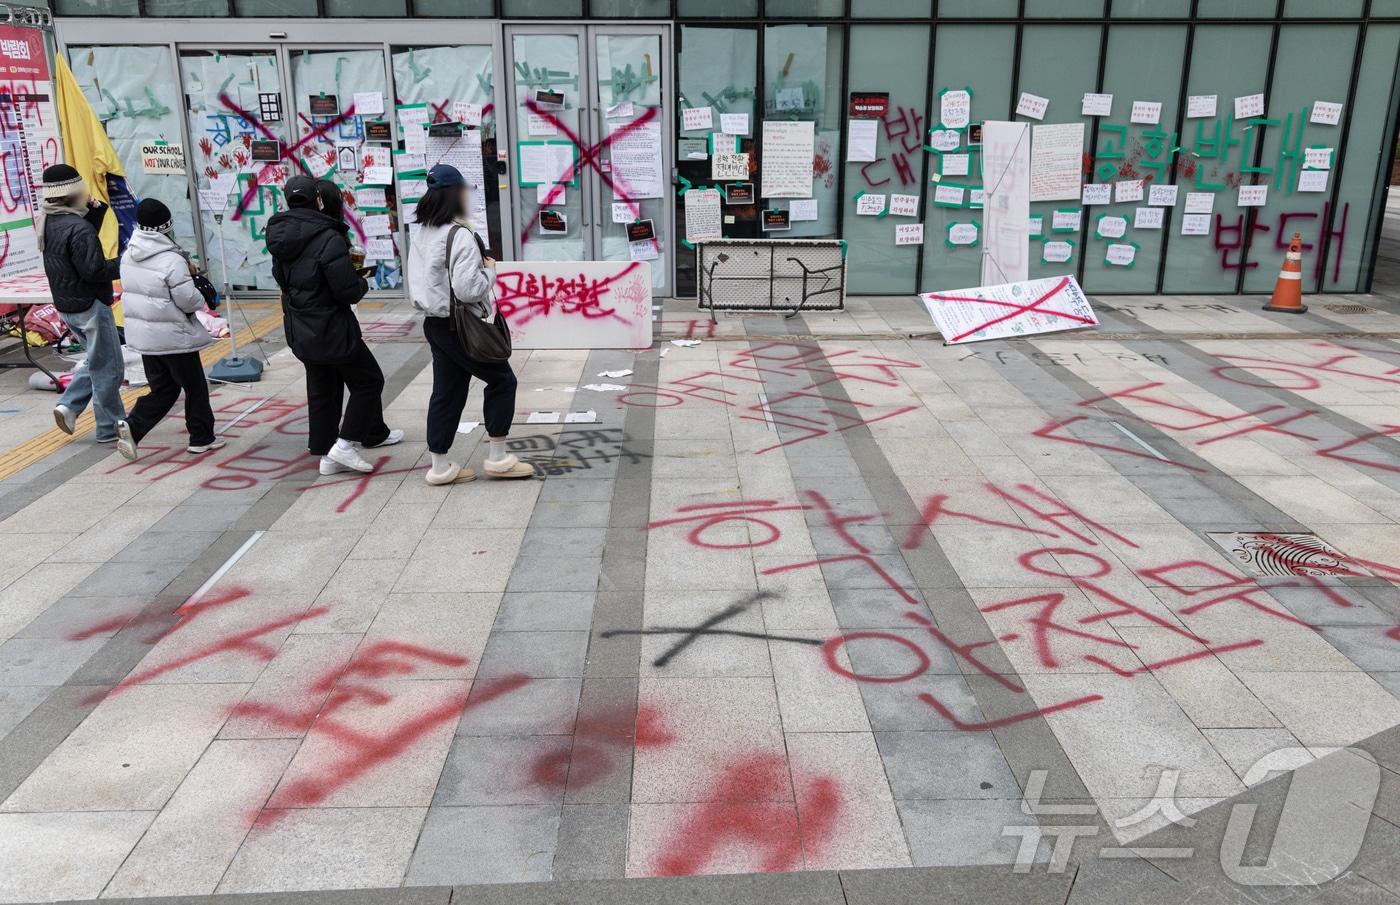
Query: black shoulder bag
479, 340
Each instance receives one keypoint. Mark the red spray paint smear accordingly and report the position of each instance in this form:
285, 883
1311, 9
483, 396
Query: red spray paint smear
590, 758
743, 812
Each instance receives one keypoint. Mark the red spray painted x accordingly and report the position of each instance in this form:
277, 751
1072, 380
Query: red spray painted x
1018, 309
588, 156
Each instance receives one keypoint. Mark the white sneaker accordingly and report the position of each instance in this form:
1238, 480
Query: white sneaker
207, 447
341, 459
65, 418
126, 443
395, 436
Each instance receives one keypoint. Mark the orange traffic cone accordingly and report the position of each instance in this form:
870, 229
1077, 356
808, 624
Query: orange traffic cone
1288, 291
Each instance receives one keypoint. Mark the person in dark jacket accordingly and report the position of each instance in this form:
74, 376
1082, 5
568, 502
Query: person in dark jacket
80, 281
311, 263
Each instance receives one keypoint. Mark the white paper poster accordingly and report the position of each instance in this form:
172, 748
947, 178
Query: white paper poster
1199, 106
1195, 225
1253, 196
369, 103
548, 162
962, 233
620, 110
1148, 217
1120, 254
1249, 105
788, 149
1112, 227
1032, 105
622, 211
1326, 113
870, 204
949, 195
1006, 168
1162, 196
1200, 202
466, 113
1010, 309
695, 119
1097, 193
1097, 105
1056, 252
909, 234
861, 137
376, 225
1128, 190
1035, 226
1317, 158
729, 166
1147, 112
539, 125
734, 123
547, 193
637, 161
802, 210
955, 108
1057, 161
904, 205
956, 164
1313, 180
945, 139
1065, 221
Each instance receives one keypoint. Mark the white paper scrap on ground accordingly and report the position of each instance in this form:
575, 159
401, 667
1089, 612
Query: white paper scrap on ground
588, 417
604, 387
466, 427
543, 418
625, 372
685, 342
1010, 309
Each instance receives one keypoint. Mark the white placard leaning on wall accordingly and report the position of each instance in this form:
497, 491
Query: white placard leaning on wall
1006, 204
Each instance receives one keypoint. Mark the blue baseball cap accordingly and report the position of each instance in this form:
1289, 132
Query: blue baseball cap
445, 176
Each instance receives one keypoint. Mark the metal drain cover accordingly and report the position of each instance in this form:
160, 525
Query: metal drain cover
1279, 553
1349, 309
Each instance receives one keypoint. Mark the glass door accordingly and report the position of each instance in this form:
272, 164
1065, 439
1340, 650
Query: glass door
591, 159
238, 125
632, 198
343, 134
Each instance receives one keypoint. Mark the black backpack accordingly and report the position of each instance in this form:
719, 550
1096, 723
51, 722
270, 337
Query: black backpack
479, 340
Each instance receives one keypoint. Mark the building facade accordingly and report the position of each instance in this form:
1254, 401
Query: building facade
1268, 116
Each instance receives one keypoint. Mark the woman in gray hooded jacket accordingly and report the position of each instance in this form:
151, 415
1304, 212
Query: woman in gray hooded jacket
159, 299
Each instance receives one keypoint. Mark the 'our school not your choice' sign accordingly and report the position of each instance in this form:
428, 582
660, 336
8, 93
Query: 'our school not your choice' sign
161, 159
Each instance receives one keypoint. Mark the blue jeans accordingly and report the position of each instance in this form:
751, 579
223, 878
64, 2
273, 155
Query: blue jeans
99, 378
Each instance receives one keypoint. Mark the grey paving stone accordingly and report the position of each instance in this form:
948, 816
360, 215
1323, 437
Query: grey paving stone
592, 842
957, 832
417, 895
545, 611
618, 655
544, 543
485, 845
896, 706
43, 661
16, 703
167, 546
129, 579
76, 618
539, 655
544, 572
944, 765
556, 490
606, 736
503, 770
541, 707
872, 608
326, 848
570, 513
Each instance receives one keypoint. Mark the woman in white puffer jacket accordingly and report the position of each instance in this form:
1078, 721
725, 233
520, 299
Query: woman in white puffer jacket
159, 301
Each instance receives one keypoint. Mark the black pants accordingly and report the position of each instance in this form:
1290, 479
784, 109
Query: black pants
326, 383
167, 376
452, 373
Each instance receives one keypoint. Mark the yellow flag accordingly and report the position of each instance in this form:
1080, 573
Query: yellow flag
86, 147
